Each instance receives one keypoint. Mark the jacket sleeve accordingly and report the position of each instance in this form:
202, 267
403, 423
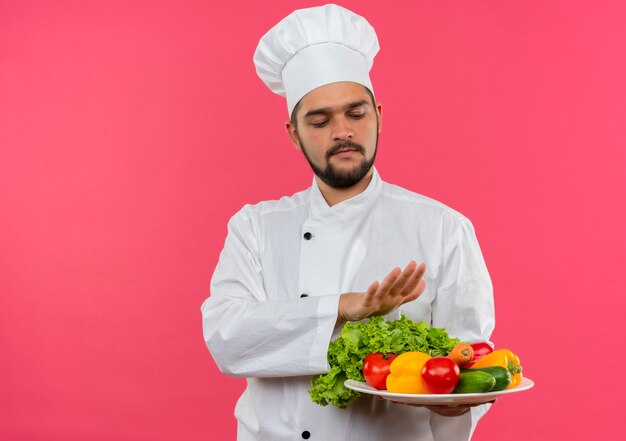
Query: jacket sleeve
464, 295
250, 335
464, 306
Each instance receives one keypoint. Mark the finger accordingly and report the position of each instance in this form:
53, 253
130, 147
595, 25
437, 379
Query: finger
419, 289
414, 281
370, 294
403, 279
449, 410
373, 288
410, 266
480, 404
405, 285
388, 282
407, 404
421, 270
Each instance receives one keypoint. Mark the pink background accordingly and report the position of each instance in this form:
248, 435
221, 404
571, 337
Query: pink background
131, 131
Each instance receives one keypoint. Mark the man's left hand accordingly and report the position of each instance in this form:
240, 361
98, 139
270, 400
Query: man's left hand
448, 410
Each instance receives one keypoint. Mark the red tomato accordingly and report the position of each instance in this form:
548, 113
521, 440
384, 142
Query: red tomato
480, 350
440, 375
376, 369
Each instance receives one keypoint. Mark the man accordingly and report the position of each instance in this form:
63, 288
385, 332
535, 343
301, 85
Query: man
293, 271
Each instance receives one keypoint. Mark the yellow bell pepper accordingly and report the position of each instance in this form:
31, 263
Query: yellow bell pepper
506, 359
405, 373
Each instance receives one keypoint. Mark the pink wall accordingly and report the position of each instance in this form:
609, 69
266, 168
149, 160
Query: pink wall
131, 131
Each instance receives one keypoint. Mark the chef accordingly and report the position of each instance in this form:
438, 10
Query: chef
350, 246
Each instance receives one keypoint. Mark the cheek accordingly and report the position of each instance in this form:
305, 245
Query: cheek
314, 144
372, 133
368, 127
316, 137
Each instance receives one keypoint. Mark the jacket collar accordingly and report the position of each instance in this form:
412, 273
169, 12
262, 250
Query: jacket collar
348, 208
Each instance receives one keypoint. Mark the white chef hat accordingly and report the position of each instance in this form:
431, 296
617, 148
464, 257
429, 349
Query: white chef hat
313, 47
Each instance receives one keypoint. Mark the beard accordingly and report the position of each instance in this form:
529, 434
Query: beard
336, 178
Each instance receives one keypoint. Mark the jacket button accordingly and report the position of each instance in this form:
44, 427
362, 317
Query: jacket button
306, 434
303, 295
308, 235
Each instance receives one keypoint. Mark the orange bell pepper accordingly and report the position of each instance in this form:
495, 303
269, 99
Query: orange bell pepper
506, 359
405, 373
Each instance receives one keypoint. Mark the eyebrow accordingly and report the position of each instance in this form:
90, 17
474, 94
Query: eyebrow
327, 110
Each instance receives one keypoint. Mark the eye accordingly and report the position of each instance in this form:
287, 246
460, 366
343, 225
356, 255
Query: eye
319, 124
357, 115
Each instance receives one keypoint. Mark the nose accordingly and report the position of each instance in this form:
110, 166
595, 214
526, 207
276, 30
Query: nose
342, 129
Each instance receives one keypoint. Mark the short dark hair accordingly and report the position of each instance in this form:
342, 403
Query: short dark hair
294, 112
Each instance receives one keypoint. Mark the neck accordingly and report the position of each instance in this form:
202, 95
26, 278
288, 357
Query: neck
333, 196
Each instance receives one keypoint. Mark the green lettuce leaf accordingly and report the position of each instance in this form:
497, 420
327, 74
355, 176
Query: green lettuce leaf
356, 340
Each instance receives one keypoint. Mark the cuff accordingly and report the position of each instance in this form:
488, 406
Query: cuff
326, 314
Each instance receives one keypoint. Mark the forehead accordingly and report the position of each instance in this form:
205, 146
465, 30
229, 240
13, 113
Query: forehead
333, 96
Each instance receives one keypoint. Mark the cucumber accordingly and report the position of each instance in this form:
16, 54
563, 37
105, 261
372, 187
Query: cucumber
472, 381
502, 376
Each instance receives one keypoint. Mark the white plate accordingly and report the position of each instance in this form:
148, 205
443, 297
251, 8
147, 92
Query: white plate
437, 399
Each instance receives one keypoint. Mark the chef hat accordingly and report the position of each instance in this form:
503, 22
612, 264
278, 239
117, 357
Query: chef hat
313, 47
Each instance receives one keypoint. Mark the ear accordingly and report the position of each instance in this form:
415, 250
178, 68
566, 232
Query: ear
292, 132
379, 111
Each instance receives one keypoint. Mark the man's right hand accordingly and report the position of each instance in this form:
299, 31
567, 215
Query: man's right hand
398, 288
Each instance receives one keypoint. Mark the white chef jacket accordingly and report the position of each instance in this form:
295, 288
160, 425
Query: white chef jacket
274, 300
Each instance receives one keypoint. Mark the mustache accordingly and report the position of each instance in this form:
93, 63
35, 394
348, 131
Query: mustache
341, 145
